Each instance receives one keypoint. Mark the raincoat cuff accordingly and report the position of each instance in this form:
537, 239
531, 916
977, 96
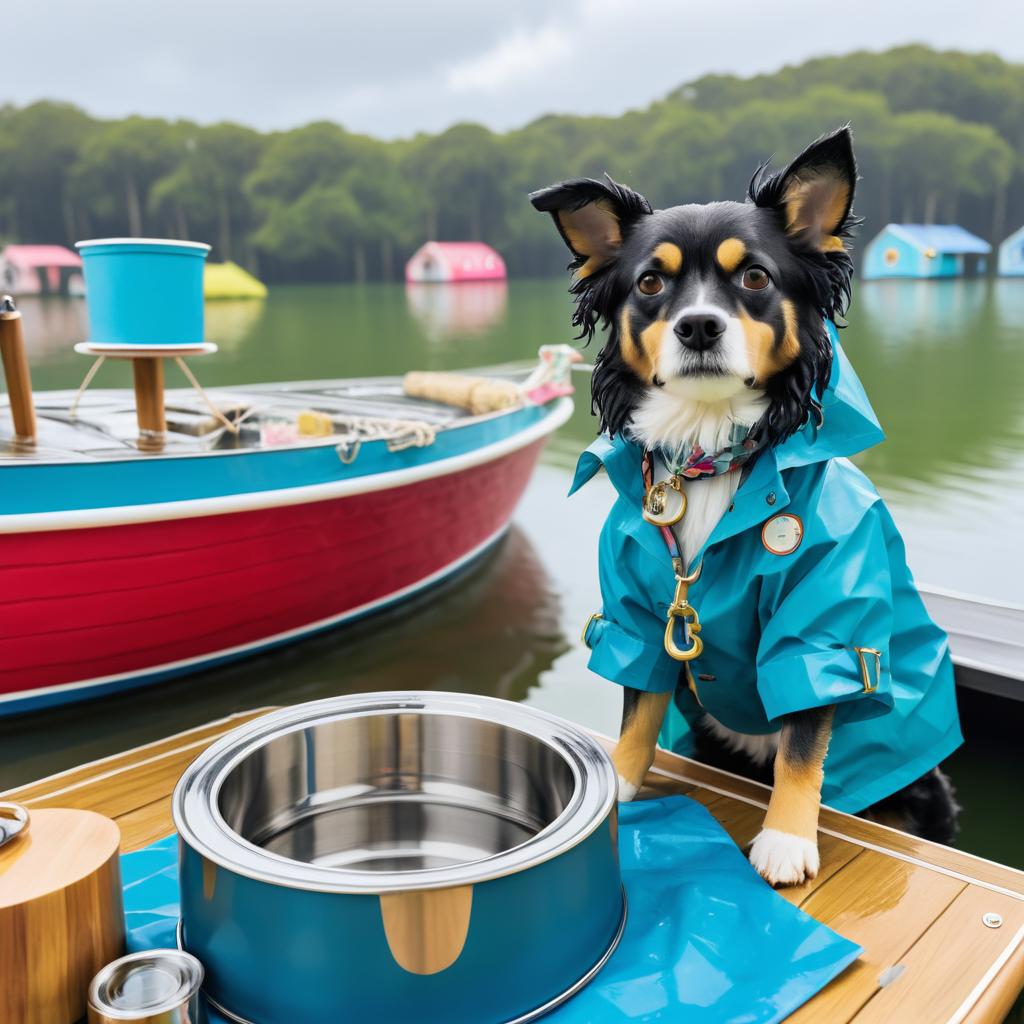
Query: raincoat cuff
824, 677
627, 659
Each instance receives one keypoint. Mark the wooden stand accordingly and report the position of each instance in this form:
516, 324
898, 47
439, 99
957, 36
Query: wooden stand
15, 360
148, 374
61, 914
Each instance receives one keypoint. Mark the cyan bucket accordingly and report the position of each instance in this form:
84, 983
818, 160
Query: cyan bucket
143, 292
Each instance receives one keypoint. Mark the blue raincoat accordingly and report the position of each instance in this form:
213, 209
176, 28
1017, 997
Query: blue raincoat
781, 632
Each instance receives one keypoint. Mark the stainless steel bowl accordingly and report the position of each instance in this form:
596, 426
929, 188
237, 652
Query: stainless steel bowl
391, 855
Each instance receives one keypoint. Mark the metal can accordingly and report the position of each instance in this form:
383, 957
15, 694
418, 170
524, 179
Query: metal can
157, 986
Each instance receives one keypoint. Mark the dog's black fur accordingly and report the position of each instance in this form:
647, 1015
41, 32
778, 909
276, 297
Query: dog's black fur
926, 808
816, 281
811, 270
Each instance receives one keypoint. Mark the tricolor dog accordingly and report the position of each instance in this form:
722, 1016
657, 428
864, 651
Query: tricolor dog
756, 605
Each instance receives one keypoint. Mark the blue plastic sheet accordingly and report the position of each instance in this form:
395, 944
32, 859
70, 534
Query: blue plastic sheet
706, 940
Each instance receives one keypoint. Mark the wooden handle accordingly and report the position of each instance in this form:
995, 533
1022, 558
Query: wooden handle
19, 382
148, 373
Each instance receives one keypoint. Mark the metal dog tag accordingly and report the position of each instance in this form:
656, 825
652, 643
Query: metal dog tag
664, 503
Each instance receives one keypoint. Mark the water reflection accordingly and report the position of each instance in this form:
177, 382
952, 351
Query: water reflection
932, 310
1008, 294
494, 630
230, 322
466, 309
944, 367
53, 325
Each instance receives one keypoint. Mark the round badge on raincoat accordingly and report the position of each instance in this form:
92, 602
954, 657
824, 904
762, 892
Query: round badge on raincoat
782, 534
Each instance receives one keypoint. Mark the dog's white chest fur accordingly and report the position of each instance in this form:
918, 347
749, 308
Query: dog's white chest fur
706, 503
665, 421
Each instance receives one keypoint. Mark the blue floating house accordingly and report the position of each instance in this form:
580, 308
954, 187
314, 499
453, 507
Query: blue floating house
1011, 255
924, 251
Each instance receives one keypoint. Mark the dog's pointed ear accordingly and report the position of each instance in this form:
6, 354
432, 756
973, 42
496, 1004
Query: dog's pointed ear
591, 217
815, 192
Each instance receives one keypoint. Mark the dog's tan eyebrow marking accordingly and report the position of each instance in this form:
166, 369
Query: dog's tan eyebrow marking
730, 253
670, 256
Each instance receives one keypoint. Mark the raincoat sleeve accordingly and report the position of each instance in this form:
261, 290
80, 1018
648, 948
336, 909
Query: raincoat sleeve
626, 639
822, 622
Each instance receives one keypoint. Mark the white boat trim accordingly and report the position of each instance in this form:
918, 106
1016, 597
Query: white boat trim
187, 664
961, 595
123, 515
979, 990
990, 975
985, 636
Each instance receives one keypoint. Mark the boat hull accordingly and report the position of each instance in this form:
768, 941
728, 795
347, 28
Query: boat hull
103, 608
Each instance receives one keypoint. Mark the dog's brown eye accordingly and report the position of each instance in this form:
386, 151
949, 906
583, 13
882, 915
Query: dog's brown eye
650, 284
755, 278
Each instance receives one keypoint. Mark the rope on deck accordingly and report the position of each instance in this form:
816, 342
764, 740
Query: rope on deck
86, 381
399, 434
234, 427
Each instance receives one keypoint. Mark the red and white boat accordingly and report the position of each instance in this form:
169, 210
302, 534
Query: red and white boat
120, 567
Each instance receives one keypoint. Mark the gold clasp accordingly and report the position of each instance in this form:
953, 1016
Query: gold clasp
656, 508
681, 609
865, 675
688, 614
586, 628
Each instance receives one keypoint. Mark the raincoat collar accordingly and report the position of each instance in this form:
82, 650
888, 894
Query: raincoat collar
849, 426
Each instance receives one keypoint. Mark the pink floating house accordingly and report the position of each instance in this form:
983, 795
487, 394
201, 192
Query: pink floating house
455, 261
41, 270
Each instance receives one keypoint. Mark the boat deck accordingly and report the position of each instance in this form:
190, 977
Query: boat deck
918, 909
105, 424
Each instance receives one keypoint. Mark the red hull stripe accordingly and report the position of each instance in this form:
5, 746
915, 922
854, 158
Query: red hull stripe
84, 608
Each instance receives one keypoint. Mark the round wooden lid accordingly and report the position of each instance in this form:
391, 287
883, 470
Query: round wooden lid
61, 847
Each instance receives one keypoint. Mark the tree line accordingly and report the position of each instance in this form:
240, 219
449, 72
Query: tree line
939, 138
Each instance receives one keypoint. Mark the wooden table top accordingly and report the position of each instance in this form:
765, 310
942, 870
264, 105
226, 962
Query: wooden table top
916, 907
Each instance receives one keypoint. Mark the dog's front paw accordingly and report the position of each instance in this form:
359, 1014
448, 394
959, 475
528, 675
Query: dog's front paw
784, 859
626, 790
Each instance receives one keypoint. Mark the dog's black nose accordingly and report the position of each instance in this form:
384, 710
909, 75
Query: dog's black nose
701, 330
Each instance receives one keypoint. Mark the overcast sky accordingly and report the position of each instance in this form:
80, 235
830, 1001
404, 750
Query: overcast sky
392, 69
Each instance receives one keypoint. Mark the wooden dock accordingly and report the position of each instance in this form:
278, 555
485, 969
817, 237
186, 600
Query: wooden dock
918, 909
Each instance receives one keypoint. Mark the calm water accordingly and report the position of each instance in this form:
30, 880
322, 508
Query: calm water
943, 363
